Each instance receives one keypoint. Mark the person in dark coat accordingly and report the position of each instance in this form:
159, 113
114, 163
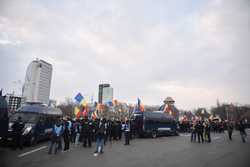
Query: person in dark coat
127, 133
119, 129
207, 132
200, 128
85, 132
193, 132
100, 137
66, 135
230, 128
242, 131
17, 133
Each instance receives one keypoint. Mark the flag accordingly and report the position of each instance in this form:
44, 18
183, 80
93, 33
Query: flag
79, 97
77, 112
138, 101
110, 103
84, 112
140, 106
94, 115
115, 102
84, 103
142, 109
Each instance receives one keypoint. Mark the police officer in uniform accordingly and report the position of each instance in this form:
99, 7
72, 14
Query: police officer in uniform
85, 132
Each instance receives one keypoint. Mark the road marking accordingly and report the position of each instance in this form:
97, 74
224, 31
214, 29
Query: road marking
216, 138
32, 151
185, 135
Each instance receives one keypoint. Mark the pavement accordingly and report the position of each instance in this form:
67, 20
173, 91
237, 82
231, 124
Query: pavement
171, 151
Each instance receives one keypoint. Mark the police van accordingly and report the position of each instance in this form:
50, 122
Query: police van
154, 124
38, 121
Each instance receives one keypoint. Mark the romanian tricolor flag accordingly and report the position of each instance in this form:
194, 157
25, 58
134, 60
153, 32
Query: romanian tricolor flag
94, 115
140, 106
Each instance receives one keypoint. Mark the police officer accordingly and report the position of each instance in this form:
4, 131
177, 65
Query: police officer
85, 132
17, 133
66, 135
200, 128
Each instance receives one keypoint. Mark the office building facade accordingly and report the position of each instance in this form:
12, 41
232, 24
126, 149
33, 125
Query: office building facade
105, 93
38, 82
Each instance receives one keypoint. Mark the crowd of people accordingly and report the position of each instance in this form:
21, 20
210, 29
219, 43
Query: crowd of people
68, 132
200, 130
87, 131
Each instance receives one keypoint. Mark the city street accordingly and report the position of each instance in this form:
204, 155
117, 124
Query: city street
160, 152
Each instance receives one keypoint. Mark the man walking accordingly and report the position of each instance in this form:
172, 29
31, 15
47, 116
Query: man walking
242, 131
230, 128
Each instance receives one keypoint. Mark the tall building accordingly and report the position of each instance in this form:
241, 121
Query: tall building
37, 82
105, 93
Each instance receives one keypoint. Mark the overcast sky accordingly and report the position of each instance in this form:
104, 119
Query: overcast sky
194, 51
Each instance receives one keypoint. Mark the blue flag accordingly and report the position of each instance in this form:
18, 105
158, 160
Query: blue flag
79, 97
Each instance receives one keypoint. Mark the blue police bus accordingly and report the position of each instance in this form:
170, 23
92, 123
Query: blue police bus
38, 119
154, 124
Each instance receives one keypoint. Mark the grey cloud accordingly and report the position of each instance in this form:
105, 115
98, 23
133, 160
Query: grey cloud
145, 49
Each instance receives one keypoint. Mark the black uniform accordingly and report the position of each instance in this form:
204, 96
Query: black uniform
207, 132
200, 128
86, 134
66, 136
230, 130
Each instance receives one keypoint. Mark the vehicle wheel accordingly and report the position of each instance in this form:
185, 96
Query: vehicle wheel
154, 134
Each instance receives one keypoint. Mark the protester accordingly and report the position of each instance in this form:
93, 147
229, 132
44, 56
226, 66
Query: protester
100, 137
200, 128
193, 132
242, 131
77, 131
55, 137
127, 133
105, 131
119, 127
66, 135
86, 134
230, 128
17, 133
207, 132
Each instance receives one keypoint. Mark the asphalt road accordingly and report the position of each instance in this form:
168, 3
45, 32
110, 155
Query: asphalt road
161, 152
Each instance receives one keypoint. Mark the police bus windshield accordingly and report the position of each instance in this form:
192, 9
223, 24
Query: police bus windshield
26, 117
